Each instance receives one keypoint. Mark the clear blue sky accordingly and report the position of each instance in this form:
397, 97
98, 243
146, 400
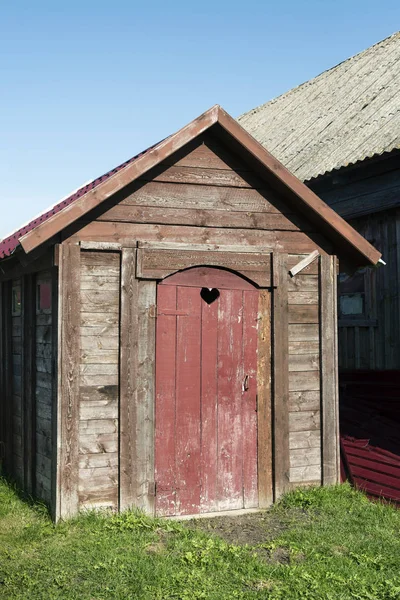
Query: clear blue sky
85, 85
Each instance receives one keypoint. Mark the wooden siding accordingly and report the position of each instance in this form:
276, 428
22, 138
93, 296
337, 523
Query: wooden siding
99, 379
203, 196
373, 342
17, 409
363, 189
44, 393
368, 196
304, 375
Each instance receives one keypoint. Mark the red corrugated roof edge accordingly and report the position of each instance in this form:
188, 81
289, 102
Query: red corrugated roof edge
10, 243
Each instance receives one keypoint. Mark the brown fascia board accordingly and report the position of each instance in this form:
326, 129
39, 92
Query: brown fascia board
330, 223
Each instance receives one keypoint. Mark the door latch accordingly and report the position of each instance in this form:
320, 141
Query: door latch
245, 385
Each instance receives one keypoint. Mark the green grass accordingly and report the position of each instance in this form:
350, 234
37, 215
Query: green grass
331, 543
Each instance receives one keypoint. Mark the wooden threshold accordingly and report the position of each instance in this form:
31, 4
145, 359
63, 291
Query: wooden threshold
223, 513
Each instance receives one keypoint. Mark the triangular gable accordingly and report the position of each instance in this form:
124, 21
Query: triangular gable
350, 244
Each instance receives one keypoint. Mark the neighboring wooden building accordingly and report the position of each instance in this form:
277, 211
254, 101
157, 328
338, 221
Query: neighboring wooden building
340, 134
168, 334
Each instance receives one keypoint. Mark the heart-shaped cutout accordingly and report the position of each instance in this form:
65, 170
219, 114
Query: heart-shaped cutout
209, 295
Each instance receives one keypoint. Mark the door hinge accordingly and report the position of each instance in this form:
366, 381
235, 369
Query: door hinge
152, 490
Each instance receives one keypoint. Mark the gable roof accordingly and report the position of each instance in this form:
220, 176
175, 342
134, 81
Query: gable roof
344, 115
303, 199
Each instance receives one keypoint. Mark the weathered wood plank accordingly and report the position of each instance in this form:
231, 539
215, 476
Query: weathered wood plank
91, 282
7, 390
43, 334
304, 362
309, 473
305, 439
303, 297
97, 443
158, 264
102, 409
44, 410
98, 460
99, 380
99, 301
300, 266
43, 319
303, 283
96, 319
43, 444
225, 199
201, 176
43, 380
99, 368
44, 350
303, 313
98, 332
98, 426
304, 420
107, 261
93, 271
303, 333
98, 356
128, 379
304, 401
281, 371
70, 348
303, 457
304, 347
43, 365
281, 241
124, 213
105, 498
99, 343
264, 403
294, 259
145, 396
329, 399
303, 381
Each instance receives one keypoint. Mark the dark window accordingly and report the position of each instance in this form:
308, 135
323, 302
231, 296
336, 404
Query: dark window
352, 294
16, 300
43, 296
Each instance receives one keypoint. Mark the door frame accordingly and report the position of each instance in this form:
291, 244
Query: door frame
141, 269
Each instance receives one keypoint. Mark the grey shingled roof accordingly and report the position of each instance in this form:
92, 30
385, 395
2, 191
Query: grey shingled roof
344, 115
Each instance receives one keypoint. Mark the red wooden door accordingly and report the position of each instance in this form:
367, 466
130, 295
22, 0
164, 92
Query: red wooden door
206, 393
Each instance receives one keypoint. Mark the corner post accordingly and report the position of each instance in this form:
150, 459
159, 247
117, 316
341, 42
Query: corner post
281, 375
68, 380
329, 370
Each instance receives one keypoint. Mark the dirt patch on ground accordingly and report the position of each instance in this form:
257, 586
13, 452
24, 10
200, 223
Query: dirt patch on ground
252, 529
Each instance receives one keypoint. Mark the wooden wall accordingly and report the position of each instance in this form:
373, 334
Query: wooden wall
44, 393
304, 374
99, 379
368, 196
367, 187
205, 195
374, 342
16, 411
27, 381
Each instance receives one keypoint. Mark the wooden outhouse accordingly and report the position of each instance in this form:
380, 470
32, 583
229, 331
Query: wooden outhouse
168, 333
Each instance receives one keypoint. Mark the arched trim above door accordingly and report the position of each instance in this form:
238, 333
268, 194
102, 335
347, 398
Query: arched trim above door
209, 277
160, 262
